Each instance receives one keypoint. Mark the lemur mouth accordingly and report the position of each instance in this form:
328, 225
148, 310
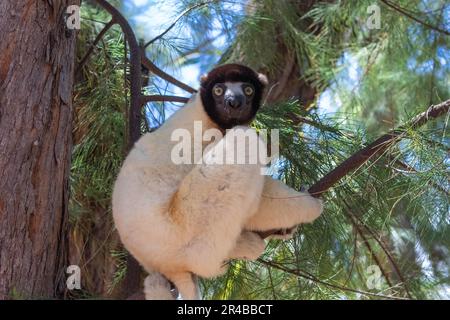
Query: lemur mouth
236, 113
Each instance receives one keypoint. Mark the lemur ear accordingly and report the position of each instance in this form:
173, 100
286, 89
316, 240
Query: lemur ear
203, 78
263, 79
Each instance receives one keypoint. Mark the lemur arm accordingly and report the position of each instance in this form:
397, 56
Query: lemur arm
281, 207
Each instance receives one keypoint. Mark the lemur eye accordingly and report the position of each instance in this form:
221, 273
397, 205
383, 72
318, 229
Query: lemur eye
218, 91
248, 90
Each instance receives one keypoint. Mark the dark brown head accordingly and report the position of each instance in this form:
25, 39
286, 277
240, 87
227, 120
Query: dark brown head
231, 94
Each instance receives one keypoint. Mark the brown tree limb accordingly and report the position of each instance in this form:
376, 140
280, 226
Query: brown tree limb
135, 70
132, 280
163, 98
287, 70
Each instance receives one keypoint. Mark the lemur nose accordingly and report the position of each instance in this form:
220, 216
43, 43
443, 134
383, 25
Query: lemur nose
234, 102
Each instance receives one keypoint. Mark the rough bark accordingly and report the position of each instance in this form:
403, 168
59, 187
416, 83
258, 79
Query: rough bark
36, 75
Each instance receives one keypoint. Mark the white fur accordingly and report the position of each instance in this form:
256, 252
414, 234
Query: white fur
263, 79
185, 220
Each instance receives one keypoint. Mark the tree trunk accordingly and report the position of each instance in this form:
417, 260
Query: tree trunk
36, 77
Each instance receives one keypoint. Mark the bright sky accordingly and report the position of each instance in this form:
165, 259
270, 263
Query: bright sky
154, 20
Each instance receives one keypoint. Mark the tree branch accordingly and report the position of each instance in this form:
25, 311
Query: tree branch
358, 224
96, 41
370, 249
135, 70
158, 97
378, 146
158, 72
197, 48
408, 169
410, 16
184, 13
313, 278
363, 155
132, 279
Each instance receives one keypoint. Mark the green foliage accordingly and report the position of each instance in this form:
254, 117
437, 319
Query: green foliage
99, 146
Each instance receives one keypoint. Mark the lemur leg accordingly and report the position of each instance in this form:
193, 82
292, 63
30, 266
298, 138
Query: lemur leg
156, 287
249, 246
186, 284
282, 207
214, 201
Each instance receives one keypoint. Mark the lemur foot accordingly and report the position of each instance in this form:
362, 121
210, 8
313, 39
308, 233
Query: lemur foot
157, 287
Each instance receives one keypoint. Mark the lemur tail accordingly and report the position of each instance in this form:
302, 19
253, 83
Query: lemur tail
157, 287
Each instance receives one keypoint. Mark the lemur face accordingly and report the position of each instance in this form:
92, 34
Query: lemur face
233, 101
231, 94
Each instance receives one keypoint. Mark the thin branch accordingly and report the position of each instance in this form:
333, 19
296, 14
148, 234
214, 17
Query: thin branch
184, 13
158, 72
311, 277
96, 41
93, 20
405, 13
385, 250
369, 248
197, 48
354, 256
408, 169
158, 97
296, 119
126, 92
